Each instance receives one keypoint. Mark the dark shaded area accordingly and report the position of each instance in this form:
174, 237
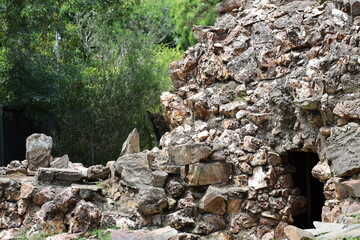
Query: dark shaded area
15, 127
309, 186
159, 125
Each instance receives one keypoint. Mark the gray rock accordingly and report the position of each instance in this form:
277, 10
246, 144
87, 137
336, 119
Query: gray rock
165, 233
180, 221
175, 187
62, 162
132, 143
134, 170
348, 109
60, 176
353, 187
209, 223
344, 143
159, 178
38, 151
98, 172
228, 5
294, 233
152, 201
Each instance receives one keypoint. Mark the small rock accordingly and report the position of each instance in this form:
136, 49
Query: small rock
159, 178
175, 187
83, 217
151, 201
214, 201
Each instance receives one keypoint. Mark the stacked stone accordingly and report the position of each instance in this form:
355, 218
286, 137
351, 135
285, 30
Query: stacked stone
266, 79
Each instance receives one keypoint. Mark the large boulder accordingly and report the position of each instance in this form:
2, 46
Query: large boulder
344, 143
38, 151
134, 170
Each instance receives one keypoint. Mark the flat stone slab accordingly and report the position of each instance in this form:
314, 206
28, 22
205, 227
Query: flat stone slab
59, 176
322, 227
158, 234
352, 231
204, 174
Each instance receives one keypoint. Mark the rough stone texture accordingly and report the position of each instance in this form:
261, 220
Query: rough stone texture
134, 170
348, 109
294, 233
98, 172
228, 5
83, 217
353, 187
152, 201
204, 174
188, 153
61, 162
59, 176
132, 143
214, 201
344, 144
38, 151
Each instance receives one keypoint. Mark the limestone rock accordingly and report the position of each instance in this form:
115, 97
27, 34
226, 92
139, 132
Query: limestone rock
348, 109
353, 187
175, 187
210, 223
294, 233
205, 174
165, 233
343, 143
62, 176
151, 201
159, 178
188, 153
62, 162
132, 143
27, 190
38, 151
98, 172
134, 170
321, 171
83, 217
214, 201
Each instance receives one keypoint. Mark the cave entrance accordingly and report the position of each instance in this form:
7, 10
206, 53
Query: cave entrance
309, 186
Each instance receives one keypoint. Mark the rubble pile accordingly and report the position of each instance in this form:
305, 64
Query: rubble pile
268, 79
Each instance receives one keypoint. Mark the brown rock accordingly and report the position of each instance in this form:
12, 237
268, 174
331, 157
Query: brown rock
188, 153
294, 233
214, 201
54, 226
98, 172
45, 195
228, 5
26, 190
204, 174
83, 217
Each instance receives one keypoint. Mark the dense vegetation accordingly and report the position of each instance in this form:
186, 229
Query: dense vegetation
106, 69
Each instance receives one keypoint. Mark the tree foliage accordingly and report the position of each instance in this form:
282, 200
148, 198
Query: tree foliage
109, 70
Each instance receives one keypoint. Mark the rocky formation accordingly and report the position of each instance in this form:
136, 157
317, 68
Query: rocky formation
268, 79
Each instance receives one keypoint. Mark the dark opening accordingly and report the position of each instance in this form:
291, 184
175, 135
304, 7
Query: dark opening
309, 186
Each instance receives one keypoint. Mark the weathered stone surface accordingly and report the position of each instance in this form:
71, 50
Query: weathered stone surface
204, 174
165, 233
61, 162
64, 236
344, 143
353, 187
134, 170
159, 178
188, 153
175, 187
210, 223
132, 143
152, 200
241, 221
214, 201
294, 233
26, 190
228, 5
348, 109
217, 236
83, 217
98, 172
62, 176
179, 220
321, 171
38, 151
43, 196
